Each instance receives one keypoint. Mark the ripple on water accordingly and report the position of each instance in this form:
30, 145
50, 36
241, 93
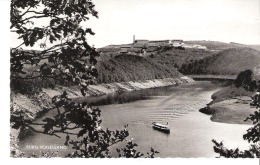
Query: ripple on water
172, 108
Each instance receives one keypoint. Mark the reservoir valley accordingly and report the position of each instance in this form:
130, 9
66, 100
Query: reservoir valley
191, 131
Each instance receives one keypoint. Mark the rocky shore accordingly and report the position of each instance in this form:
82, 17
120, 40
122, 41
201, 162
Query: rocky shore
102, 89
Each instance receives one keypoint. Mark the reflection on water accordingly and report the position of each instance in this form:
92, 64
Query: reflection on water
179, 105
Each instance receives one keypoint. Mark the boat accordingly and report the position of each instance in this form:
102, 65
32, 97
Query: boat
161, 127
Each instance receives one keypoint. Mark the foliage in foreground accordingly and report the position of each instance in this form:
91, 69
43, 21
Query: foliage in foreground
253, 133
69, 58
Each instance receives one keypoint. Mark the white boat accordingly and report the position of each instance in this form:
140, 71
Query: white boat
161, 127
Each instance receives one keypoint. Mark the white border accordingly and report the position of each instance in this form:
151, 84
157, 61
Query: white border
5, 115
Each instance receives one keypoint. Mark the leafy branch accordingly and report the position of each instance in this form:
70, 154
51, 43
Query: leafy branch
253, 134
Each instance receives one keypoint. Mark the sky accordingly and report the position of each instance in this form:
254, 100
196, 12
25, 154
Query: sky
215, 20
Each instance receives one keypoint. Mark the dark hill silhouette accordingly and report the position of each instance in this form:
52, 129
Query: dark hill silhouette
227, 62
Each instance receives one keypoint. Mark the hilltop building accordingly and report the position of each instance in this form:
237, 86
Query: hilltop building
141, 42
160, 41
146, 47
177, 41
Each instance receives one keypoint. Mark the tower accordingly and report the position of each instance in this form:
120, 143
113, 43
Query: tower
133, 39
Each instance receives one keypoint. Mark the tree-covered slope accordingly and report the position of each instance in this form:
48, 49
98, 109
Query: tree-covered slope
124, 68
177, 57
227, 62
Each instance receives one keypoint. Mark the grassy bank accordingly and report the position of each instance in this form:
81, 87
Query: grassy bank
230, 105
233, 111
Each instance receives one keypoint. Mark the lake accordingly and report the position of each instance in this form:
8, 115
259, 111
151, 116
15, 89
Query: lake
191, 131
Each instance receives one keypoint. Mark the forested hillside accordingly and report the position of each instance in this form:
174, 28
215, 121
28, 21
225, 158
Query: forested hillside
132, 68
227, 62
174, 57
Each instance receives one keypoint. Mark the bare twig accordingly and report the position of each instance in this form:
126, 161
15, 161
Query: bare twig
19, 46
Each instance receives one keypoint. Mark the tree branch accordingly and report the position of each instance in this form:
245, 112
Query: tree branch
19, 45
26, 19
41, 16
25, 12
35, 12
37, 124
41, 131
53, 47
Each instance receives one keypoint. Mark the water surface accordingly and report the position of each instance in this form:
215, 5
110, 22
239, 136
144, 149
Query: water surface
191, 131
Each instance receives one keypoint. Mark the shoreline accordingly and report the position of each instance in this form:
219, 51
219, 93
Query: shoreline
102, 89
230, 105
192, 132
231, 111
37, 106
